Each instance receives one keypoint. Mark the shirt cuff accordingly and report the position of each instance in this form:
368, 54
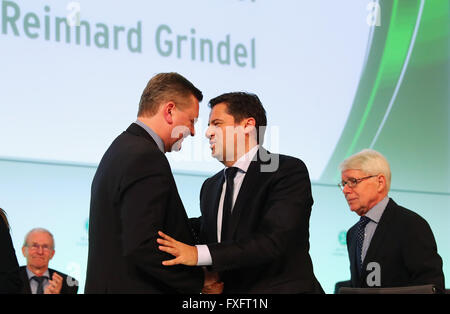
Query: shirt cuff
204, 256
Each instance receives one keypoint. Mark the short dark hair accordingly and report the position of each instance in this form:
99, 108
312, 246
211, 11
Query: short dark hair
243, 105
166, 87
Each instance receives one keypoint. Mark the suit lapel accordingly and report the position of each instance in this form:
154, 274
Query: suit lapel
26, 281
251, 180
213, 205
352, 255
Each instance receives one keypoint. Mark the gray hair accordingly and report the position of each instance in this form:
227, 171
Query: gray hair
370, 162
25, 240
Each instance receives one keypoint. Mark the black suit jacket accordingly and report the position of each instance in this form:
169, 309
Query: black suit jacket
270, 221
133, 196
69, 284
9, 268
404, 247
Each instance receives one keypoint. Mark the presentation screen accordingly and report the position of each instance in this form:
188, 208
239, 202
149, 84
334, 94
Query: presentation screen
68, 90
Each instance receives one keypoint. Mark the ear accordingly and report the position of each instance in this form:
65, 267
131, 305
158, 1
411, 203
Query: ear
168, 110
381, 182
249, 125
24, 251
53, 254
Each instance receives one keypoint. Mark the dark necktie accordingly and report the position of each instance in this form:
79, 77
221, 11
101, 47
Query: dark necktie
40, 281
230, 173
360, 228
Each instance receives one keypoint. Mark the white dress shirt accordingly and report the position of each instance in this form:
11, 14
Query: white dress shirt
204, 256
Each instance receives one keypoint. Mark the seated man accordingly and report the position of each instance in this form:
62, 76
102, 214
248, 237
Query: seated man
38, 248
390, 246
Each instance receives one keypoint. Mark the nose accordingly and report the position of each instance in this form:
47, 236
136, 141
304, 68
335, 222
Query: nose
209, 132
346, 190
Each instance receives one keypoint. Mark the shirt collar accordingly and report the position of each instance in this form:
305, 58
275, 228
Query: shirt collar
244, 162
152, 133
377, 211
31, 274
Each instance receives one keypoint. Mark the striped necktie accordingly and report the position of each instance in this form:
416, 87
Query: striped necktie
40, 281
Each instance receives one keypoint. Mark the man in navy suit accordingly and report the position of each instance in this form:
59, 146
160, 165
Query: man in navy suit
134, 195
390, 246
255, 212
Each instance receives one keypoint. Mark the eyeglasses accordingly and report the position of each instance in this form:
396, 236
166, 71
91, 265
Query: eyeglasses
36, 247
352, 182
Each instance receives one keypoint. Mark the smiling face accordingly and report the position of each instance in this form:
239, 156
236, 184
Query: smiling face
38, 250
366, 193
227, 138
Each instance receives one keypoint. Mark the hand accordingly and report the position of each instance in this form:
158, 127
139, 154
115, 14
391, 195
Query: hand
184, 254
215, 288
211, 277
212, 284
54, 285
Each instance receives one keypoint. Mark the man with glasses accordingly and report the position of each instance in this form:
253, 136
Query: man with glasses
39, 248
390, 246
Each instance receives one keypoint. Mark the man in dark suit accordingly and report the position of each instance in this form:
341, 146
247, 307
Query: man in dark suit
38, 249
390, 246
134, 195
255, 212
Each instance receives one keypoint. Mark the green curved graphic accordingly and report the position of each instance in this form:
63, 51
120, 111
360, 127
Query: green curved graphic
401, 107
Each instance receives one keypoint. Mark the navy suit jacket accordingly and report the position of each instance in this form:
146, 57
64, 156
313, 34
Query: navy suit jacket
404, 247
269, 250
133, 196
